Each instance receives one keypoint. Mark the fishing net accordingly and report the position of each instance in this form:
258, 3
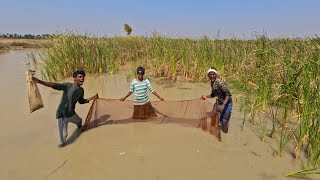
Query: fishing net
192, 113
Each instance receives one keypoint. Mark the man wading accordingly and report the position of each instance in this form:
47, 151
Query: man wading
72, 93
224, 101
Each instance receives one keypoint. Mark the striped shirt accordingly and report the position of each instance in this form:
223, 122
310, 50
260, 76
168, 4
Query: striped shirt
140, 90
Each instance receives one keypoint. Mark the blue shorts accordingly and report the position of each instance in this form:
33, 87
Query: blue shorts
226, 112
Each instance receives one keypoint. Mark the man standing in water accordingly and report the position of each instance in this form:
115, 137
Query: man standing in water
224, 101
72, 93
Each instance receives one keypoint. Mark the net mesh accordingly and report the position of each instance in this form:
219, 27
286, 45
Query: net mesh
193, 113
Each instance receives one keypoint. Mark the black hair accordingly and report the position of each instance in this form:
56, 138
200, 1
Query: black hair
75, 74
214, 68
140, 69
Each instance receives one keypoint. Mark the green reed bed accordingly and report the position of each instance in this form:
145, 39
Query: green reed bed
278, 78
285, 82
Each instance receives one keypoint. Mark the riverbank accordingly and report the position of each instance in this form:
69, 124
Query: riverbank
141, 150
276, 77
6, 43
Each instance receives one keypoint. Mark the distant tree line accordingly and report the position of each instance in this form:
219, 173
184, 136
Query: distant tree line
25, 36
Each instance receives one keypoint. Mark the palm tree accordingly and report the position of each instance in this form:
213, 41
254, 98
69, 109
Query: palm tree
127, 28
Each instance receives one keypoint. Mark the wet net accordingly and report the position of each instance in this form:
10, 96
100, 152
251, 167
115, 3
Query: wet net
191, 113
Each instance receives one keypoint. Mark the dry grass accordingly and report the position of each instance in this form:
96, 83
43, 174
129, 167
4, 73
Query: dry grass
6, 43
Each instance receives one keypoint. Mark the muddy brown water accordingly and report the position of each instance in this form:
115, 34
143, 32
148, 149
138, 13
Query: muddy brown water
28, 142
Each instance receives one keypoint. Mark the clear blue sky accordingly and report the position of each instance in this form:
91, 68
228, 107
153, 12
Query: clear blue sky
242, 18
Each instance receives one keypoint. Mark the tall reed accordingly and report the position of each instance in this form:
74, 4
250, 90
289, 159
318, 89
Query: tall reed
277, 76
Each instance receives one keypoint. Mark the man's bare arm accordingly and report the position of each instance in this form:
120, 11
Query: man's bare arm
48, 84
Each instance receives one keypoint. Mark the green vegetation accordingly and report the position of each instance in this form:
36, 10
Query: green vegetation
304, 172
25, 36
127, 28
279, 78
